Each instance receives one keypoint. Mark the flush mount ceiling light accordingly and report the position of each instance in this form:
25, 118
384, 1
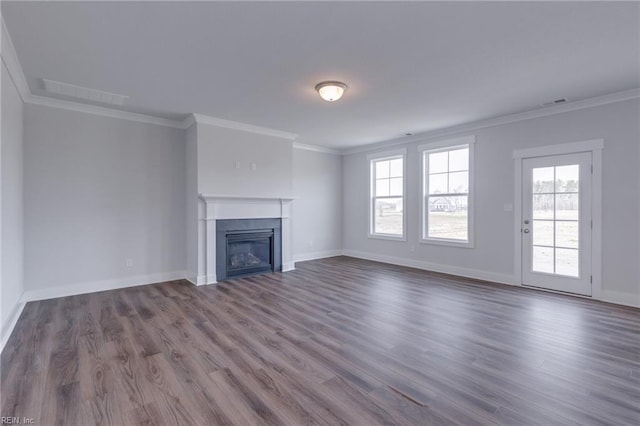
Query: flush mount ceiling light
331, 90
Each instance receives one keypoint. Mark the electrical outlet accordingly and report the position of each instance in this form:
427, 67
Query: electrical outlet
129, 263
254, 167
236, 164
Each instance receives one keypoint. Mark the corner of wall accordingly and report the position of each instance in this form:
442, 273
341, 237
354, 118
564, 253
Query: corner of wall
12, 124
9, 324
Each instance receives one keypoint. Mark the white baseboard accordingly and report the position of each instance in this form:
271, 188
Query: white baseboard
621, 298
212, 279
95, 286
198, 281
316, 255
435, 267
202, 280
12, 319
617, 297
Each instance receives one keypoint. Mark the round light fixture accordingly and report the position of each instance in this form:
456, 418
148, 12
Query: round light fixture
331, 90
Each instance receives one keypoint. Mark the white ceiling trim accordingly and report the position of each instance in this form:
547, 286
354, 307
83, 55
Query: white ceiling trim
228, 124
102, 111
505, 119
317, 148
10, 59
85, 93
188, 122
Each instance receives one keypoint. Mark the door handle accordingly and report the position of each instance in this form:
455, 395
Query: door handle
526, 231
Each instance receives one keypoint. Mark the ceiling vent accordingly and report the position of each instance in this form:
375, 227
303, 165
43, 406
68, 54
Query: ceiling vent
83, 92
556, 102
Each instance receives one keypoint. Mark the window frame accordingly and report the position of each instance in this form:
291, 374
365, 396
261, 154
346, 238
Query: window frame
371, 160
443, 146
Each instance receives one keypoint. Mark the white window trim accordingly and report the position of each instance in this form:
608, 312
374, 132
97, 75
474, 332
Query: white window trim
446, 145
595, 146
402, 152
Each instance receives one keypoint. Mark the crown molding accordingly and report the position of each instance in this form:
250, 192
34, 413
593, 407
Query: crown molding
498, 121
102, 111
235, 125
317, 148
11, 62
188, 122
225, 197
85, 93
10, 59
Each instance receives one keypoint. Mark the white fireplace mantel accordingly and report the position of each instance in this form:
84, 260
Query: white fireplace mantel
241, 197
219, 206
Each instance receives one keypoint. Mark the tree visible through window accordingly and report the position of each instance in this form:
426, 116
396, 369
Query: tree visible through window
446, 194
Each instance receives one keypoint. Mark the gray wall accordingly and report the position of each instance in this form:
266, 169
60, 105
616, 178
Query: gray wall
99, 191
219, 148
493, 254
191, 196
317, 208
11, 222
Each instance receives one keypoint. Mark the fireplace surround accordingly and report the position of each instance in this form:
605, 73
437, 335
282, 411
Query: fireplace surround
215, 208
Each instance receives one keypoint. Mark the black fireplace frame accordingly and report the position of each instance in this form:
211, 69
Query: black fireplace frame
241, 228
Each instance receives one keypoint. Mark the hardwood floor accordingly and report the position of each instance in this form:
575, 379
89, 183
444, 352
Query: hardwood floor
338, 341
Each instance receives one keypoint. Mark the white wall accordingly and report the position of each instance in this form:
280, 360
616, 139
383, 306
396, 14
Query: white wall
99, 191
11, 179
218, 150
317, 207
493, 256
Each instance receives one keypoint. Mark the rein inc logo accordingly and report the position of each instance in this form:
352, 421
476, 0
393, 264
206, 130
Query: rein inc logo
17, 420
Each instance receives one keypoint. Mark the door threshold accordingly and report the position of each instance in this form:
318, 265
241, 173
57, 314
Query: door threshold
566, 293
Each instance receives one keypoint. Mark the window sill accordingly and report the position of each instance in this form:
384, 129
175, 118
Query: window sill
449, 243
388, 237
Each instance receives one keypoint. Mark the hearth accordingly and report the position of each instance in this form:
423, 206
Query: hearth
247, 247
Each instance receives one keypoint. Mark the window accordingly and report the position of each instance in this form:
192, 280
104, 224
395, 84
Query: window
447, 192
386, 206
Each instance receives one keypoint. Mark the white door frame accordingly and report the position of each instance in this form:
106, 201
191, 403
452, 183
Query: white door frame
595, 147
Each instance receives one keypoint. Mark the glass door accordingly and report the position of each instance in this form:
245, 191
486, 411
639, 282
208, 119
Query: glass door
556, 223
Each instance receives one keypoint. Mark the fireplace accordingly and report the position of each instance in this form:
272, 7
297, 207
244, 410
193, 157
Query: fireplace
226, 214
247, 247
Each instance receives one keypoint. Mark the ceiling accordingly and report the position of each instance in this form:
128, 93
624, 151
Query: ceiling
410, 66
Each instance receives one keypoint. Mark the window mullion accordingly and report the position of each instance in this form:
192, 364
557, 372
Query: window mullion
452, 194
442, 213
387, 212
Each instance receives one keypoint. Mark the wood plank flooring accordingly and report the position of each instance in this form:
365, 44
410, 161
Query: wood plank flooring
337, 341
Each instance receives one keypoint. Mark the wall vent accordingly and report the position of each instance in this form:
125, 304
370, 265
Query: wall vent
83, 92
